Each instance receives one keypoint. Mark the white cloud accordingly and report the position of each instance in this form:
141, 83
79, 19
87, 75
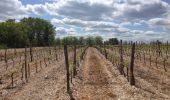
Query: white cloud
163, 22
38, 9
10, 9
65, 31
137, 24
89, 24
125, 24
142, 9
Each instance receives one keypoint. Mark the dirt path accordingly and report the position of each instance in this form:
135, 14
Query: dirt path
98, 79
95, 78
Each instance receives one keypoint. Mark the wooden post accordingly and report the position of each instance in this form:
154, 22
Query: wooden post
0, 79
150, 59
127, 74
156, 62
67, 68
121, 59
45, 62
132, 79
56, 56
26, 77
22, 72
75, 70
28, 69
144, 58
105, 53
40, 64
31, 55
12, 80
165, 65
36, 67
158, 48
13, 63
20, 59
167, 49
6, 60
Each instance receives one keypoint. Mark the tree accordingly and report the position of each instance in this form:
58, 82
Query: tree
27, 32
70, 40
81, 40
12, 34
112, 41
40, 32
98, 40
90, 41
58, 41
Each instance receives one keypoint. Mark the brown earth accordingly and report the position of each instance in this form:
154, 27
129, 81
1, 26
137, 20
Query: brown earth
97, 79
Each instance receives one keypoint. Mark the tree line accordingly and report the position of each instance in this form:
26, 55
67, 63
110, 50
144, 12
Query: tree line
37, 32
28, 32
90, 40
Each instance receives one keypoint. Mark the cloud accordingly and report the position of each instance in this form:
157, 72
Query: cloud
95, 10
76, 9
142, 9
85, 10
164, 22
10, 9
38, 9
85, 24
65, 31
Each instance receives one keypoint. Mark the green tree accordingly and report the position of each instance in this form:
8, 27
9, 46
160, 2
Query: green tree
90, 40
98, 40
40, 32
112, 41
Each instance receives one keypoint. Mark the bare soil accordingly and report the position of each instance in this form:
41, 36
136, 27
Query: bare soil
97, 79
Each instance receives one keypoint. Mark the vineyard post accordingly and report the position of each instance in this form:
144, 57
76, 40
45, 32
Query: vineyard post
12, 80
13, 63
150, 59
165, 65
127, 75
31, 55
167, 49
40, 64
49, 55
144, 58
0, 79
26, 78
132, 79
45, 62
67, 68
121, 59
156, 62
158, 48
6, 60
15, 54
22, 71
28, 69
56, 56
105, 53
0, 56
20, 59
75, 70
59, 51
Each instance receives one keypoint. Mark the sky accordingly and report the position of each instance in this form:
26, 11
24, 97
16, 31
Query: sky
138, 20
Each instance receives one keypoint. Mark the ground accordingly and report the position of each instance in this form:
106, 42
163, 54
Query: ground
97, 79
